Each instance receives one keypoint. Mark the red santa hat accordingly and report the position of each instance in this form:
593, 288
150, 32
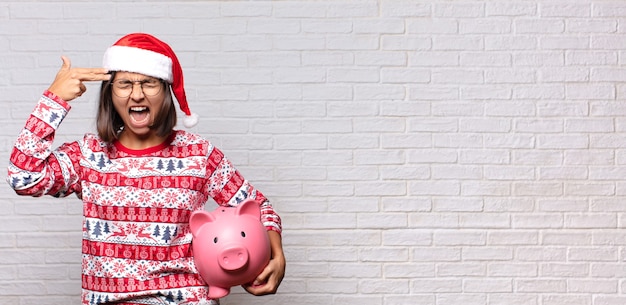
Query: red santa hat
145, 54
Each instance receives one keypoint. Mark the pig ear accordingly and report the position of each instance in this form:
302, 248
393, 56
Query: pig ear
249, 207
199, 218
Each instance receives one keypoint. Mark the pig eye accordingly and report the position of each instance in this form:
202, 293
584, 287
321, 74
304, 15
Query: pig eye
243, 234
215, 240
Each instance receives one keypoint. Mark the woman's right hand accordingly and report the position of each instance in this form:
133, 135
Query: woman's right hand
68, 83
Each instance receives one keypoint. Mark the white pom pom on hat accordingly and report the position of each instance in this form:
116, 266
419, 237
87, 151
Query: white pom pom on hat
145, 54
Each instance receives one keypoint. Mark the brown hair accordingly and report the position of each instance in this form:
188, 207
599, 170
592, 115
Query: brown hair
109, 123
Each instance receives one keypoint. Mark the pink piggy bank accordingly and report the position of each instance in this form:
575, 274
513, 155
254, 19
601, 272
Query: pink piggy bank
230, 246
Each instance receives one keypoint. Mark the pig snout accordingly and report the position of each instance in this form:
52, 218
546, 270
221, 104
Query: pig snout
233, 258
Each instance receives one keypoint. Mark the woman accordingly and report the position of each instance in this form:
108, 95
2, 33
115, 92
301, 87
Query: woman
139, 179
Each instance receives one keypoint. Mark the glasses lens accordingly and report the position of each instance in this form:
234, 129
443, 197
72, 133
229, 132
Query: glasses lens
151, 87
122, 88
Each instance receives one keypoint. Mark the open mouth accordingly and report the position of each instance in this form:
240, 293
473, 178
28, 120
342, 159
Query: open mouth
139, 115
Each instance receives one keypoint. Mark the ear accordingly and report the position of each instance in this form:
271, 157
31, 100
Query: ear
199, 218
249, 207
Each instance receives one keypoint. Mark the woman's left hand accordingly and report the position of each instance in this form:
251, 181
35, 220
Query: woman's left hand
268, 281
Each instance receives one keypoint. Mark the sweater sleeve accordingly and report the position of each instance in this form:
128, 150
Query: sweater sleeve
228, 187
34, 168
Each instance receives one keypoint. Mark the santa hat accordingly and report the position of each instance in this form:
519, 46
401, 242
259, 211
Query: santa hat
145, 54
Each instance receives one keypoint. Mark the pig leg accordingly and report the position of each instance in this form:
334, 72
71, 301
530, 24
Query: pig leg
218, 292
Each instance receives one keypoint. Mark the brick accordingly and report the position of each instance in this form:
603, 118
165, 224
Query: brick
540, 285
299, 9
459, 10
565, 10
482, 156
563, 173
517, 42
299, 75
35, 11
438, 285
462, 238
369, 238
461, 269
488, 285
18, 287
432, 26
484, 220
349, 270
495, 204
591, 26
403, 237
387, 287
326, 158
337, 286
590, 58
537, 221
609, 10
324, 92
565, 299
335, 189
539, 26
453, 109
484, 26
401, 204
457, 205
433, 59
387, 254
405, 8
405, 43
443, 188
516, 298
538, 58
300, 110
511, 9
378, 92
563, 205
326, 26
300, 142
384, 26
566, 270
566, 74
352, 141
413, 270
381, 188
504, 269
487, 253
544, 92
566, 239
457, 42
456, 76
352, 42
606, 42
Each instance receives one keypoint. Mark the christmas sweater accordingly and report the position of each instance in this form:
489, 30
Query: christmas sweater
136, 245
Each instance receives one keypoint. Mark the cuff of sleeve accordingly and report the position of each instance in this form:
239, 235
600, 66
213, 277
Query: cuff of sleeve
57, 99
275, 229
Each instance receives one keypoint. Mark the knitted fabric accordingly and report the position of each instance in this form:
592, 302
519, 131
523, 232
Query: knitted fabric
136, 246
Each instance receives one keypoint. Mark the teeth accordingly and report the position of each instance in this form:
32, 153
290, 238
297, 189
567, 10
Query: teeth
138, 108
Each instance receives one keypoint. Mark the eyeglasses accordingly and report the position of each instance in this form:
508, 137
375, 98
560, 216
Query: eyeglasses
124, 88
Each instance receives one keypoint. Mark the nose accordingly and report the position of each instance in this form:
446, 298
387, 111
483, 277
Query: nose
233, 258
137, 93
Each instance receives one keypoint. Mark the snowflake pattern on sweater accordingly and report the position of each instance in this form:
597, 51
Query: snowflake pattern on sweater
136, 245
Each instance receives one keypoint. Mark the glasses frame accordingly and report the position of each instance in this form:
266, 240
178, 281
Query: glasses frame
140, 83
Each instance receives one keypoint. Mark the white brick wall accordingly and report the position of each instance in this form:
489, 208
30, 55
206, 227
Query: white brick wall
419, 152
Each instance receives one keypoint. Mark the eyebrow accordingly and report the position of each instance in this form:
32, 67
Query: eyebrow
141, 81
